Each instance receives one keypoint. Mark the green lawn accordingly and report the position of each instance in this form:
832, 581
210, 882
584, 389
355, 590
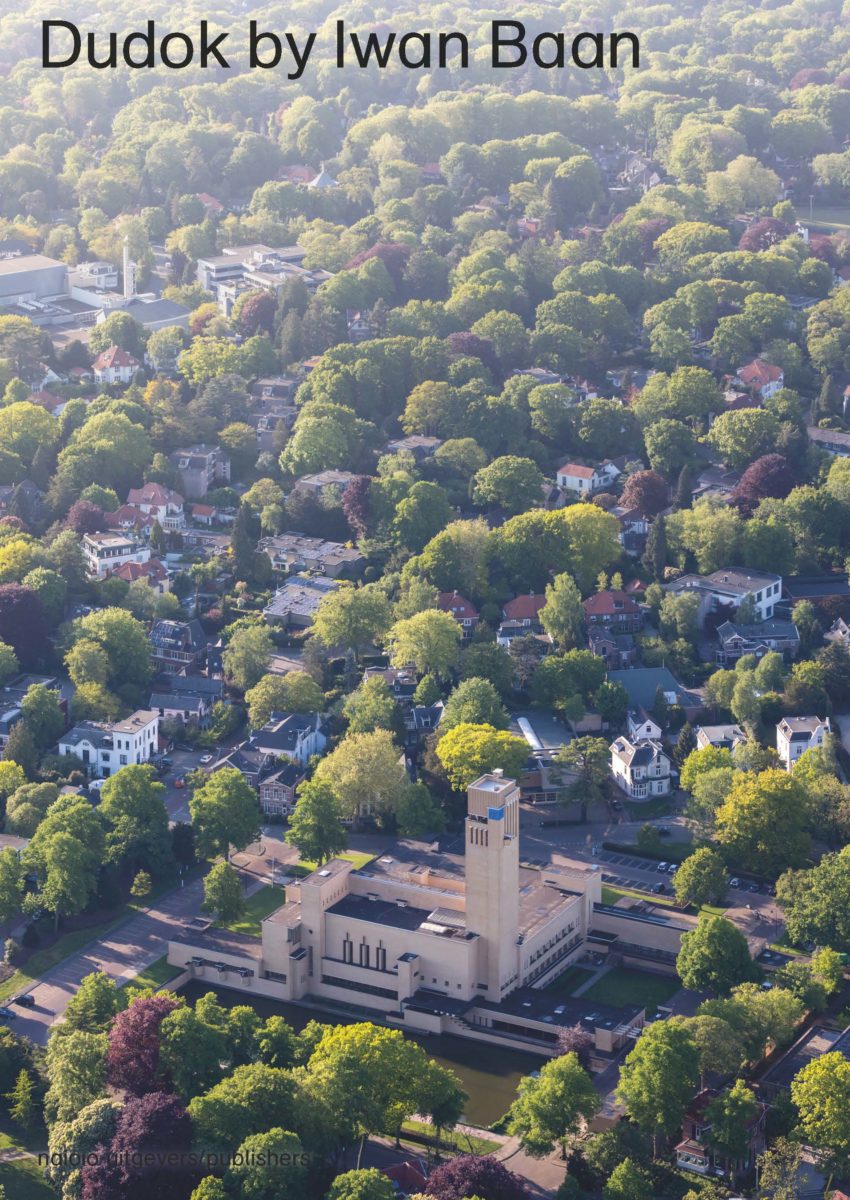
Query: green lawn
610, 895
566, 984
828, 216
154, 976
452, 1138
358, 857
257, 907
22, 1178
658, 806
625, 986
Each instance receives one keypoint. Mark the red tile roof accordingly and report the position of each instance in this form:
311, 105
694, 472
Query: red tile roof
524, 608
457, 605
758, 373
610, 604
153, 493
114, 357
131, 571
577, 469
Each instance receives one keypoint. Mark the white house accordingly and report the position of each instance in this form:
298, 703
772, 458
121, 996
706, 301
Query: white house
104, 552
641, 726
796, 735
640, 769
115, 366
297, 736
729, 588
722, 737
104, 747
763, 378
160, 503
574, 477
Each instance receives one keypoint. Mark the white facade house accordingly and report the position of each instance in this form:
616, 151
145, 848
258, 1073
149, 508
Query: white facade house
730, 587
104, 747
796, 735
104, 552
114, 366
641, 726
160, 503
574, 477
640, 769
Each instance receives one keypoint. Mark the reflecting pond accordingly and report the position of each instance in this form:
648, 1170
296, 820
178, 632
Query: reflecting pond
489, 1074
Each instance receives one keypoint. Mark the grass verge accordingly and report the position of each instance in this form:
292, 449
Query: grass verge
451, 1139
154, 976
257, 908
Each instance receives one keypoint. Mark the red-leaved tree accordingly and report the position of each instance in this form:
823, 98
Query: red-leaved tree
132, 1059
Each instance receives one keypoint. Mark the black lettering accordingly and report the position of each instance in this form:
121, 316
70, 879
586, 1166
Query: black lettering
301, 57
188, 48
211, 49
463, 41
111, 61
424, 42
372, 46
46, 28
147, 40
616, 38
558, 59
517, 42
599, 46
254, 44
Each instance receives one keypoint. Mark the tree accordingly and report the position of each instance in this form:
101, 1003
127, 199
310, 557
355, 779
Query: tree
474, 702
430, 640
701, 879
315, 828
420, 516
658, 1077
369, 1184
364, 774
11, 883
778, 1169
9, 665
721, 1048
133, 1055
821, 1095
469, 751
73, 1140
223, 893
372, 706
769, 475
253, 1096
224, 813
247, 655
251, 1175
715, 956
670, 445
762, 822
141, 886
22, 1102
133, 808
550, 1107
817, 902
93, 1004
76, 1071
699, 762
562, 614
469, 1175
295, 692
124, 641
646, 491
588, 758
627, 1182
655, 553
23, 623
149, 1152
418, 813
352, 617
514, 484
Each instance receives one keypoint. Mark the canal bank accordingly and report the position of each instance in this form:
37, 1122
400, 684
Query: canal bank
489, 1074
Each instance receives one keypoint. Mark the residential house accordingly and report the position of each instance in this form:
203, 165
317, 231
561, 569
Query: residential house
722, 737
715, 481
774, 635
640, 769
764, 379
104, 747
114, 366
831, 441
400, 680
188, 698
619, 650
729, 588
521, 617
153, 572
820, 589
278, 790
642, 684
208, 542
159, 503
422, 719
613, 611
294, 605
296, 736
420, 446
641, 726
463, 611
634, 528
575, 477
816, 1041
201, 468
178, 646
273, 389
104, 552
695, 1153
838, 632
796, 735
316, 484
290, 552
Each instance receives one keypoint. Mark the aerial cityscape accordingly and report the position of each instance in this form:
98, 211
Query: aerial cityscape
425, 603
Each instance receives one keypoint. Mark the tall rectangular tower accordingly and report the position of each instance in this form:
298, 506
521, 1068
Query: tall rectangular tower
492, 880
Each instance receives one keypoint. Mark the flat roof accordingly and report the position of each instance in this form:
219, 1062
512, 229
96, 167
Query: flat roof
28, 262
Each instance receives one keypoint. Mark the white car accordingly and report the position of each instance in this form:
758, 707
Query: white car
205, 758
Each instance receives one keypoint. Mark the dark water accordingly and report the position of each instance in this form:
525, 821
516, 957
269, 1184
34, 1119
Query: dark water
489, 1074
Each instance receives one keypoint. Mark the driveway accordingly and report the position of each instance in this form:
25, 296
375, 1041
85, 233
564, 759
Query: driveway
122, 954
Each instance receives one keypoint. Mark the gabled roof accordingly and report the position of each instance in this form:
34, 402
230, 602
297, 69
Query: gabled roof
524, 608
154, 493
757, 373
576, 469
610, 603
114, 358
457, 605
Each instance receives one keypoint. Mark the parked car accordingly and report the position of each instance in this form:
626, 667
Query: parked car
7, 1014
662, 866
672, 869
659, 888
663, 831
179, 783
734, 883
205, 758
27, 1000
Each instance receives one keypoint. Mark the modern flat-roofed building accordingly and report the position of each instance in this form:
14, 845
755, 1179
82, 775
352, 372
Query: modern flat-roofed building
104, 552
729, 587
104, 747
31, 277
